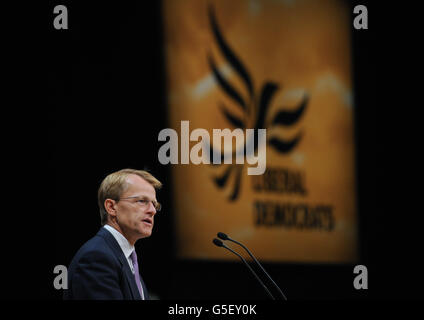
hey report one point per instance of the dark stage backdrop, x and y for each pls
(107, 104)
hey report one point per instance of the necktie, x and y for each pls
(137, 273)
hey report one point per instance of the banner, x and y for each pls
(283, 66)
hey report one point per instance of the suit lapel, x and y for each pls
(131, 281)
(146, 294)
(114, 245)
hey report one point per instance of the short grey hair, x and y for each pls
(115, 184)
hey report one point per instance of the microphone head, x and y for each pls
(217, 242)
(222, 236)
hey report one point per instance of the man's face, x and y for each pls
(134, 217)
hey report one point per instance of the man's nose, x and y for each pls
(151, 207)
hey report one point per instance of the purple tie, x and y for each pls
(137, 273)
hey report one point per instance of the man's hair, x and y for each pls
(115, 184)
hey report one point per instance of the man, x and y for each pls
(106, 266)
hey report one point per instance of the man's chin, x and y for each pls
(146, 233)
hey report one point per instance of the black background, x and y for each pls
(106, 103)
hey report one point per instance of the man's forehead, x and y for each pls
(136, 182)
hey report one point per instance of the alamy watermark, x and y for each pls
(361, 20)
(361, 280)
(61, 20)
(61, 280)
(203, 152)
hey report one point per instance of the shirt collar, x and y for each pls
(126, 247)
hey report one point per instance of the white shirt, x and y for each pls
(126, 247)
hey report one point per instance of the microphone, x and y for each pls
(223, 236)
(219, 243)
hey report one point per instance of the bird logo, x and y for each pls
(254, 108)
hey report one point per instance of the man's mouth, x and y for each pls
(148, 221)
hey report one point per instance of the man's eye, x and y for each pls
(142, 201)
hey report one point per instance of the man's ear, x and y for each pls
(110, 206)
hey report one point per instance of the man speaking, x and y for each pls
(106, 266)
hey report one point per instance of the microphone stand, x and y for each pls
(225, 237)
(221, 244)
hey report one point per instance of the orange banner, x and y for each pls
(283, 66)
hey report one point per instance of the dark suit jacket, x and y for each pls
(100, 271)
